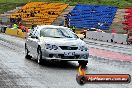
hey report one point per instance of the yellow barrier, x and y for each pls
(21, 34)
(10, 31)
(15, 32)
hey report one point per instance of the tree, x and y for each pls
(98, 1)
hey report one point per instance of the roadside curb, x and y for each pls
(97, 57)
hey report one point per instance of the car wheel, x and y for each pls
(27, 56)
(39, 56)
(83, 63)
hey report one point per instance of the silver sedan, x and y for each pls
(55, 43)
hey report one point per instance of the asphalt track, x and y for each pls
(18, 72)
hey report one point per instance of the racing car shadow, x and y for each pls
(59, 64)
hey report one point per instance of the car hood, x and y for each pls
(63, 41)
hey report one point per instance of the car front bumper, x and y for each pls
(59, 55)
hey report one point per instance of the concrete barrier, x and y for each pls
(107, 37)
(98, 36)
(90, 35)
(120, 38)
(93, 35)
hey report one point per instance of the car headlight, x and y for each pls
(54, 47)
(51, 47)
(48, 46)
(83, 48)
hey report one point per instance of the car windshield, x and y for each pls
(57, 33)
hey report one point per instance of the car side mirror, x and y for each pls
(33, 36)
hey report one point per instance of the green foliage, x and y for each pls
(6, 5)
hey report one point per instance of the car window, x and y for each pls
(31, 32)
(45, 32)
(57, 33)
(36, 33)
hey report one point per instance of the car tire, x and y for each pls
(27, 56)
(83, 63)
(39, 56)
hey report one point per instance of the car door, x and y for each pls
(34, 42)
(29, 40)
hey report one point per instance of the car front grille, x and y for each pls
(68, 57)
(68, 48)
